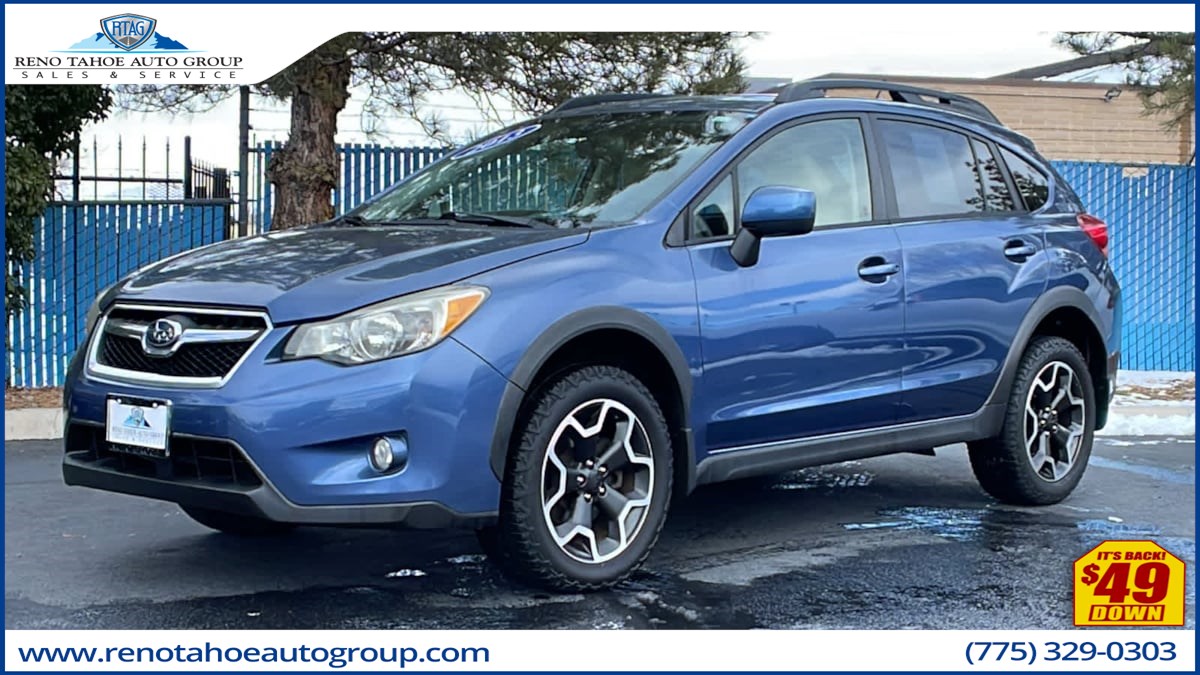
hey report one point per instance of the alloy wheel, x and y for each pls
(1055, 414)
(597, 481)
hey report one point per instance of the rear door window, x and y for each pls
(933, 170)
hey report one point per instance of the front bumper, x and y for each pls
(261, 501)
(305, 428)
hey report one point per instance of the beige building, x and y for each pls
(1070, 120)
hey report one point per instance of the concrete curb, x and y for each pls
(33, 424)
(43, 424)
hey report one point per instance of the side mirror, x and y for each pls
(772, 211)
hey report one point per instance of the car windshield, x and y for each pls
(588, 170)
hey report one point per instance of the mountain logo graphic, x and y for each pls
(128, 31)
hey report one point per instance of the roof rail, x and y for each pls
(597, 99)
(902, 93)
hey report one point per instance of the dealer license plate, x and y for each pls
(138, 426)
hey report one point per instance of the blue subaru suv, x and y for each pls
(547, 334)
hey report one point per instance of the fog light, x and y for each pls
(382, 455)
(389, 454)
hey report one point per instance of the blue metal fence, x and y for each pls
(369, 169)
(81, 248)
(366, 170)
(1151, 216)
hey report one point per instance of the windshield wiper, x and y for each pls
(353, 220)
(492, 219)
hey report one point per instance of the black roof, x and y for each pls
(796, 91)
(896, 92)
(651, 102)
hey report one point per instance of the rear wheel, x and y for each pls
(229, 523)
(587, 485)
(1043, 448)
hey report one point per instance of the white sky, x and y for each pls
(924, 48)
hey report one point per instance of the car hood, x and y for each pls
(319, 272)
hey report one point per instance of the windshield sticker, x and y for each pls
(498, 140)
(724, 125)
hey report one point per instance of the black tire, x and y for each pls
(1003, 465)
(489, 541)
(230, 523)
(522, 543)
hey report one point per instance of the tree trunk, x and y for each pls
(305, 171)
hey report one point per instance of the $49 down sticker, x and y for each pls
(1129, 583)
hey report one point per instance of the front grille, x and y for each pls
(209, 343)
(211, 319)
(213, 359)
(209, 461)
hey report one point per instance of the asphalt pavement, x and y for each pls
(904, 541)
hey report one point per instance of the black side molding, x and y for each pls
(771, 458)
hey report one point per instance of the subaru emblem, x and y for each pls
(162, 334)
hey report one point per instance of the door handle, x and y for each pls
(1017, 250)
(876, 269)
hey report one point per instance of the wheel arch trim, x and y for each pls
(558, 335)
(1053, 299)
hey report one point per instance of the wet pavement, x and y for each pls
(897, 542)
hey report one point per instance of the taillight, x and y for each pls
(1096, 229)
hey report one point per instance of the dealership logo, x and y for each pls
(127, 49)
(128, 31)
(137, 419)
(496, 140)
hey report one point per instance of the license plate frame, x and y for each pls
(138, 426)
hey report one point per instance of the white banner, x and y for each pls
(588, 651)
(245, 44)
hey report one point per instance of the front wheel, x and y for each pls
(587, 483)
(1043, 447)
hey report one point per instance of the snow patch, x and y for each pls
(1147, 424)
(646, 597)
(650, 598)
(1153, 379)
(948, 523)
(1139, 399)
(1119, 443)
(404, 573)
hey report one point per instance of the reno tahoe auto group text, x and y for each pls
(58, 67)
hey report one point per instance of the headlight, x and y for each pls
(392, 328)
